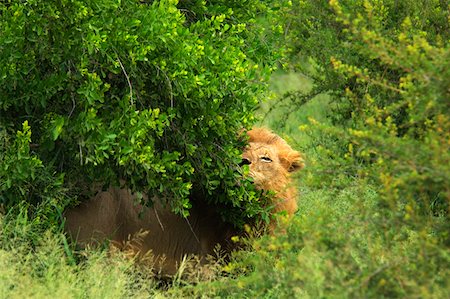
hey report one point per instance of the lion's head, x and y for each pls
(271, 161)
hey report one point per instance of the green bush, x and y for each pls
(19, 169)
(23, 177)
(134, 90)
(385, 66)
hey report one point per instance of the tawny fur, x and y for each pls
(114, 214)
(271, 160)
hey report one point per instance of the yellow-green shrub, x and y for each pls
(385, 65)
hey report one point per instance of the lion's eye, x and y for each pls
(266, 159)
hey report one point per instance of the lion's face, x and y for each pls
(264, 164)
(270, 158)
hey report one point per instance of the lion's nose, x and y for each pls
(245, 161)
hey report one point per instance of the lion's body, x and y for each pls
(114, 215)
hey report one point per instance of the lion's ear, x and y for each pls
(292, 161)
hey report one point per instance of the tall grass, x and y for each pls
(35, 263)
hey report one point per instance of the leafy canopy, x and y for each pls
(135, 90)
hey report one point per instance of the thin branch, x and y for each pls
(128, 80)
(168, 84)
(192, 230)
(157, 217)
(295, 100)
(73, 106)
(375, 273)
(81, 155)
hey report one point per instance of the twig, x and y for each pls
(169, 84)
(295, 99)
(128, 80)
(192, 230)
(73, 106)
(375, 273)
(81, 155)
(157, 217)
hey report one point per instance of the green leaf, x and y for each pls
(57, 129)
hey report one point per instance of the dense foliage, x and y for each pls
(385, 65)
(129, 90)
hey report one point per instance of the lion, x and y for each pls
(114, 215)
(271, 161)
